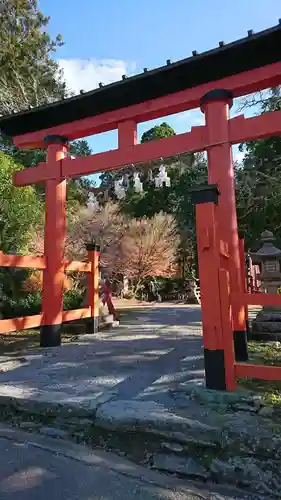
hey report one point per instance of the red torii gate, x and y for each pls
(210, 80)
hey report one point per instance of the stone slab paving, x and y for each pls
(140, 360)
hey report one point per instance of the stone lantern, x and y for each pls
(267, 325)
(268, 258)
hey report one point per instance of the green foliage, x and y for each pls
(265, 353)
(258, 181)
(20, 209)
(265, 155)
(78, 189)
(73, 299)
(262, 353)
(176, 199)
(273, 398)
(18, 304)
(29, 75)
(158, 132)
(80, 148)
(186, 172)
(26, 157)
(25, 305)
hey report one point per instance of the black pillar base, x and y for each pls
(240, 345)
(247, 328)
(50, 335)
(215, 369)
(92, 325)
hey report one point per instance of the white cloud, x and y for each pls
(86, 74)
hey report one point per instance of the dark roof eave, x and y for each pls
(249, 53)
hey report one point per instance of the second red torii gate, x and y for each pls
(217, 136)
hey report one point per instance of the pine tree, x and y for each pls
(29, 76)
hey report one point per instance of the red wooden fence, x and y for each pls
(15, 324)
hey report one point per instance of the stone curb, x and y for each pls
(153, 418)
(65, 409)
(122, 416)
(147, 417)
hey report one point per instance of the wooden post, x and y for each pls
(93, 290)
(215, 104)
(228, 344)
(206, 199)
(54, 246)
(243, 274)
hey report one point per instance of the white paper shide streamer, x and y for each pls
(162, 179)
(138, 185)
(119, 189)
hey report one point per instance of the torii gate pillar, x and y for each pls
(216, 105)
(54, 245)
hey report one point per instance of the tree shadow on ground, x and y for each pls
(137, 361)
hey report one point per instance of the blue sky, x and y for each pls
(107, 38)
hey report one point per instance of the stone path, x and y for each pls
(140, 360)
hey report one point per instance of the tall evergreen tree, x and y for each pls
(29, 76)
(258, 180)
